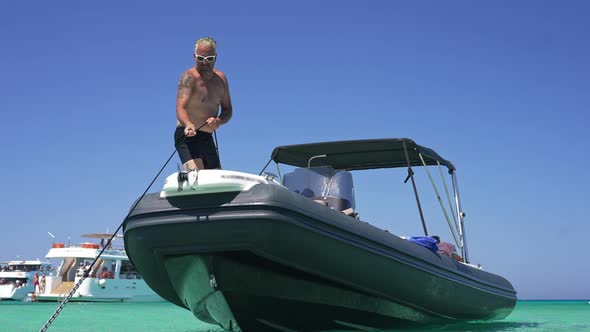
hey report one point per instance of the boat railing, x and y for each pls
(88, 245)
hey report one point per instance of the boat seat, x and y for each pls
(338, 204)
(350, 212)
(321, 201)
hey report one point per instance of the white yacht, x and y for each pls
(16, 278)
(112, 278)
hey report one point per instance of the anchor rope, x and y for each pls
(107, 245)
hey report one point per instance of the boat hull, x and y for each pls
(102, 290)
(263, 299)
(11, 293)
(82, 298)
(248, 261)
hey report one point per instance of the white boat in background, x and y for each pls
(16, 278)
(112, 279)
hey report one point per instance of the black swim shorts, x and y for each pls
(200, 146)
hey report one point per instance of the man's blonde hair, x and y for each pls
(206, 41)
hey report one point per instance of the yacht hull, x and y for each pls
(11, 293)
(82, 298)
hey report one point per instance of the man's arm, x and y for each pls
(226, 107)
(185, 88)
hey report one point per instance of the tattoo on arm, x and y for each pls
(185, 85)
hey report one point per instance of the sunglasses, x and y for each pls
(209, 59)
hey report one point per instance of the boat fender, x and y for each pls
(102, 283)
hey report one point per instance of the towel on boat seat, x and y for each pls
(425, 241)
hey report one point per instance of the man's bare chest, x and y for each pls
(207, 91)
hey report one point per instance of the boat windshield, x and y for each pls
(323, 183)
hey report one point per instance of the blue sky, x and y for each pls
(87, 100)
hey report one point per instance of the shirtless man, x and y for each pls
(201, 90)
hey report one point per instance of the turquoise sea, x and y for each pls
(537, 316)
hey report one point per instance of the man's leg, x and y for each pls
(211, 159)
(192, 164)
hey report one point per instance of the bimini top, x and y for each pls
(358, 154)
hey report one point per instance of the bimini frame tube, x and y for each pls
(279, 172)
(265, 166)
(411, 176)
(460, 216)
(278, 169)
(453, 224)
